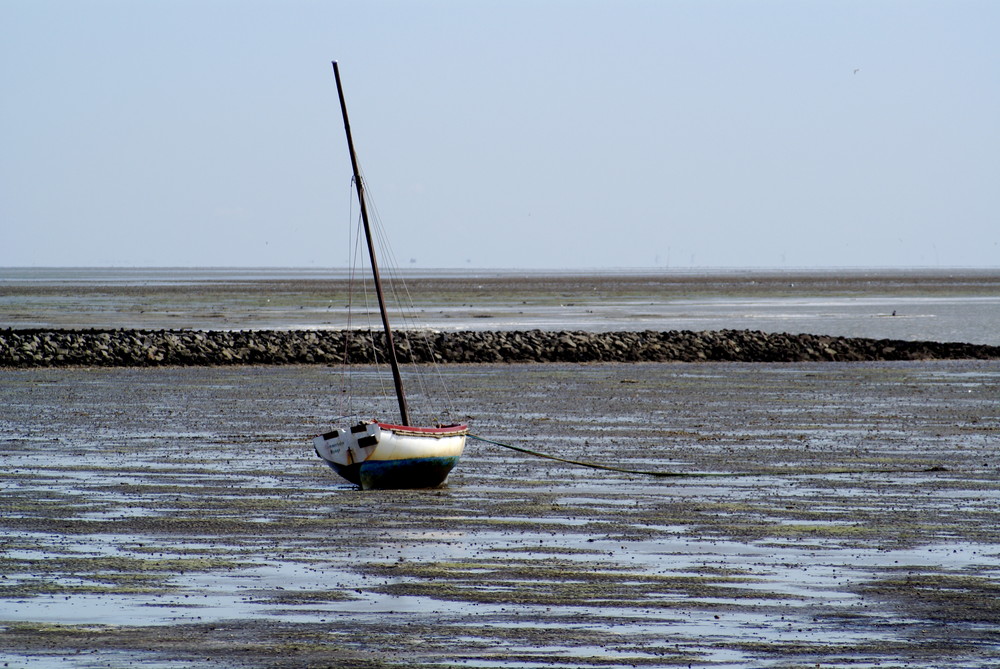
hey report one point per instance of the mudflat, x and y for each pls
(914, 305)
(836, 514)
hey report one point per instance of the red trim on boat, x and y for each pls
(447, 429)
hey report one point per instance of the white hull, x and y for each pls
(380, 455)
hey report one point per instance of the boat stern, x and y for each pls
(349, 446)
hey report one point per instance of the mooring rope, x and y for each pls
(660, 474)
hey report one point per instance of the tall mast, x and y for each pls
(396, 378)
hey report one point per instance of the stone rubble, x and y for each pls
(149, 348)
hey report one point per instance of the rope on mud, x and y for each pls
(657, 474)
(591, 464)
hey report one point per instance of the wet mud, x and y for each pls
(914, 305)
(177, 517)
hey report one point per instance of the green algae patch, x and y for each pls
(296, 597)
(38, 587)
(546, 550)
(942, 596)
(235, 525)
(554, 583)
(98, 575)
(77, 565)
(794, 530)
(243, 643)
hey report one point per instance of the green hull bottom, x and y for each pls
(394, 474)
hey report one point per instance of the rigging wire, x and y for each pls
(375, 225)
(402, 300)
(423, 337)
(347, 398)
(358, 287)
(399, 296)
(370, 329)
(404, 303)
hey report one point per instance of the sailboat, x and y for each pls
(381, 455)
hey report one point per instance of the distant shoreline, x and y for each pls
(153, 348)
(168, 275)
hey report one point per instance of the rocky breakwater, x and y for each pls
(145, 348)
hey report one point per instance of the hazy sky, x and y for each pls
(535, 133)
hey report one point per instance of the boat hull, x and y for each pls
(376, 455)
(397, 474)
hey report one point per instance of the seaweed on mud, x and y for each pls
(304, 596)
(559, 583)
(120, 564)
(272, 645)
(878, 653)
(98, 575)
(36, 587)
(236, 525)
(941, 596)
(543, 550)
